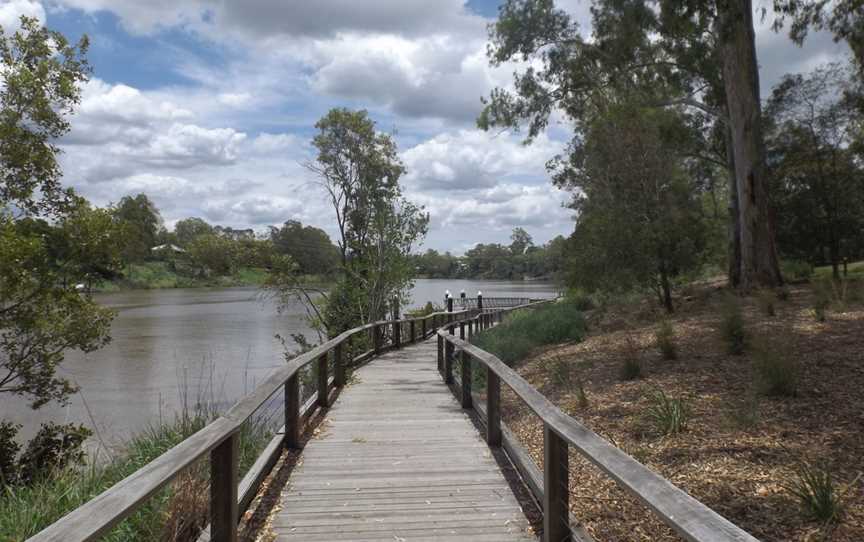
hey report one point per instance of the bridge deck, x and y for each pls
(398, 459)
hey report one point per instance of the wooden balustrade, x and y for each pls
(688, 517)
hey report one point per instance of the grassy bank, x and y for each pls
(751, 404)
(174, 514)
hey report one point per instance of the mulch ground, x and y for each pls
(740, 449)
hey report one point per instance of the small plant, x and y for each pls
(565, 375)
(665, 337)
(668, 415)
(797, 269)
(732, 325)
(745, 413)
(813, 485)
(631, 369)
(765, 301)
(777, 370)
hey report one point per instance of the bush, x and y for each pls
(665, 337)
(813, 486)
(745, 413)
(822, 296)
(765, 302)
(668, 415)
(523, 330)
(732, 325)
(8, 452)
(631, 369)
(580, 300)
(777, 370)
(564, 375)
(52, 449)
(796, 269)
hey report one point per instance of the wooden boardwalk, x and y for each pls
(398, 459)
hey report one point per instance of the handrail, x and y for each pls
(221, 438)
(687, 516)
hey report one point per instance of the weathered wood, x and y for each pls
(224, 465)
(376, 339)
(462, 330)
(448, 363)
(419, 472)
(465, 377)
(397, 334)
(412, 331)
(691, 519)
(323, 390)
(292, 413)
(339, 368)
(556, 498)
(423, 326)
(493, 408)
(440, 353)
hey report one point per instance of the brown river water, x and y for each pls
(172, 348)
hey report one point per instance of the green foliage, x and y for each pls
(668, 415)
(631, 368)
(813, 485)
(580, 299)
(308, 246)
(796, 269)
(745, 413)
(142, 224)
(765, 301)
(188, 229)
(665, 339)
(213, 254)
(526, 329)
(777, 370)
(732, 328)
(9, 449)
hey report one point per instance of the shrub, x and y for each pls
(668, 415)
(564, 374)
(796, 269)
(765, 302)
(822, 294)
(526, 329)
(732, 325)
(580, 300)
(745, 413)
(777, 370)
(813, 485)
(665, 337)
(631, 369)
(8, 452)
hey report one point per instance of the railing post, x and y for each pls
(339, 369)
(376, 339)
(462, 330)
(465, 363)
(423, 327)
(470, 328)
(493, 408)
(397, 334)
(448, 360)
(224, 471)
(413, 332)
(556, 494)
(292, 412)
(323, 394)
(440, 354)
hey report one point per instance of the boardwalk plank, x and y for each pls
(398, 459)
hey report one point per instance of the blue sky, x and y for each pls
(208, 106)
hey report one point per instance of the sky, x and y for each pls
(209, 106)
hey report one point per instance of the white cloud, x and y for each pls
(12, 10)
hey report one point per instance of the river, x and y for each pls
(182, 346)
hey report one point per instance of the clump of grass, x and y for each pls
(814, 487)
(665, 338)
(524, 330)
(732, 327)
(765, 302)
(745, 414)
(778, 372)
(631, 368)
(565, 375)
(668, 415)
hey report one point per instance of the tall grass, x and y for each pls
(26, 510)
(526, 329)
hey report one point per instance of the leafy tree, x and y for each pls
(359, 169)
(697, 54)
(639, 223)
(213, 254)
(520, 241)
(309, 247)
(844, 18)
(188, 229)
(41, 313)
(819, 179)
(142, 223)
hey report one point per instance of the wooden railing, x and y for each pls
(221, 438)
(688, 517)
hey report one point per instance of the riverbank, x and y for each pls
(160, 275)
(176, 514)
(758, 429)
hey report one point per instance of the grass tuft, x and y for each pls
(765, 301)
(778, 372)
(668, 415)
(732, 325)
(665, 338)
(813, 485)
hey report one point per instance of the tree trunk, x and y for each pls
(734, 227)
(759, 265)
